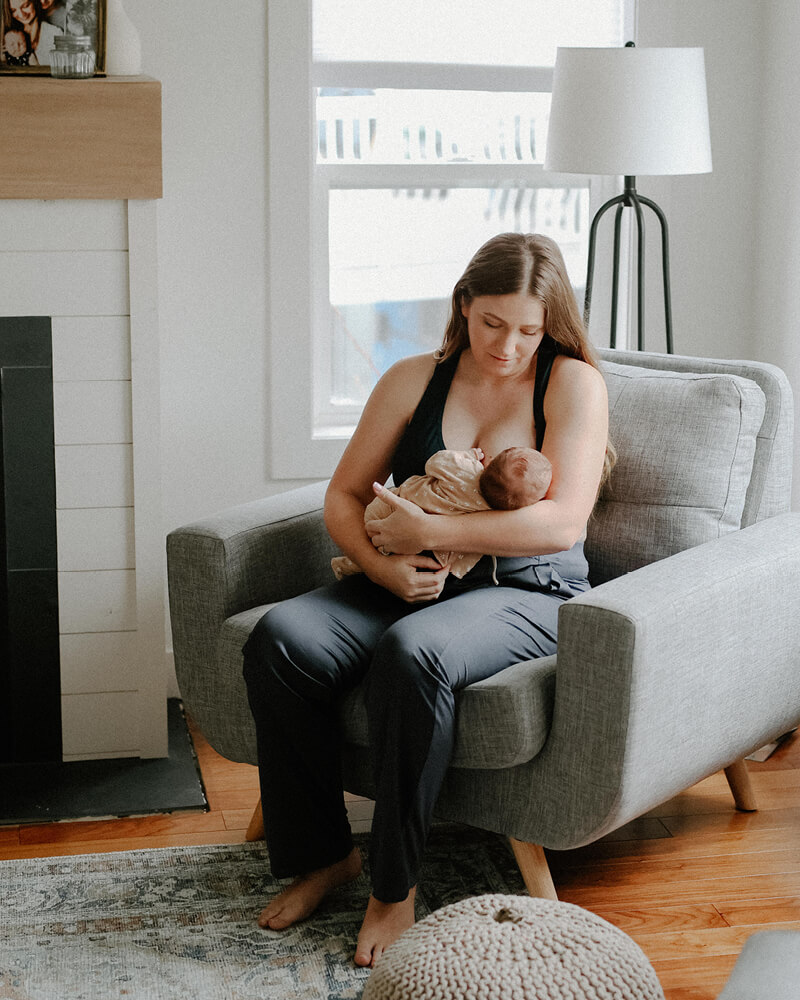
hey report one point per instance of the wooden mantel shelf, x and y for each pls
(95, 138)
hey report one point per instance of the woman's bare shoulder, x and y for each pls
(405, 381)
(572, 372)
(575, 385)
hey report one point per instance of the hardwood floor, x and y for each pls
(689, 882)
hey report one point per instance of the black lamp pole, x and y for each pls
(630, 199)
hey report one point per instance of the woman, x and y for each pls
(514, 360)
(27, 16)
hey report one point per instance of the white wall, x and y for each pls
(736, 231)
(711, 216)
(777, 234)
(212, 246)
(213, 262)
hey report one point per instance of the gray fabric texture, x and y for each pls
(771, 483)
(254, 554)
(686, 480)
(663, 675)
(768, 967)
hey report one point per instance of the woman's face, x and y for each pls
(504, 332)
(23, 11)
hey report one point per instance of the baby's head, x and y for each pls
(16, 43)
(515, 478)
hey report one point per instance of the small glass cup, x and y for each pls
(72, 57)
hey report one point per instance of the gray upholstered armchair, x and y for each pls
(683, 659)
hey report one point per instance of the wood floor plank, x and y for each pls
(604, 853)
(669, 870)
(760, 911)
(696, 803)
(9, 835)
(236, 819)
(692, 979)
(692, 993)
(57, 850)
(704, 824)
(700, 943)
(656, 919)
(219, 779)
(116, 829)
(225, 799)
(691, 891)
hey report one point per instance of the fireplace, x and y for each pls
(83, 662)
(30, 687)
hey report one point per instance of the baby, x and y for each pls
(15, 48)
(456, 482)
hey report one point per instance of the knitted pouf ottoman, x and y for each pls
(513, 948)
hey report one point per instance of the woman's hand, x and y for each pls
(404, 531)
(412, 578)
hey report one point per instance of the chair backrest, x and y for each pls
(704, 447)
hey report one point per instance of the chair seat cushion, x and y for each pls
(686, 443)
(500, 722)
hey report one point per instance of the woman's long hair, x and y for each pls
(523, 262)
(11, 23)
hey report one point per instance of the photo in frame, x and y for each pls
(28, 29)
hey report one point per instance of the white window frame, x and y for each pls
(298, 205)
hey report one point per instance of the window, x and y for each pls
(402, 136)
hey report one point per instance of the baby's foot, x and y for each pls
(304, 895)
(383, 924)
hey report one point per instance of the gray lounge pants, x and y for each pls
(308, 651)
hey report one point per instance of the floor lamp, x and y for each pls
(628, 111)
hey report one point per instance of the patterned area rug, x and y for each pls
(180, 922)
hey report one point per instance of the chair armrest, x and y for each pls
(671, 672)
(254, 554)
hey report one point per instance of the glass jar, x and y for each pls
(73, 57)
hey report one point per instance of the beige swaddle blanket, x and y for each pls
(449, 486)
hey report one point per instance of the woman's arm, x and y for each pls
(368, 458)
(576, 411)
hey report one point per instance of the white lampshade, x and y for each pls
(629, 111)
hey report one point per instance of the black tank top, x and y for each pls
(423, 436)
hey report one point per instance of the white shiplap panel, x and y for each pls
(147, 466)
(75, 283)
(92, 412)
(94, 662)
(96, 724)
(91, 347)
(97, 601)
(63, 225)
(94, 475)
(95, 538)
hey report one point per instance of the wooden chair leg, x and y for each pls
(739, 781)
(534, 868)
(255, 829)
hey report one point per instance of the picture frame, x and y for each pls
(28, 27)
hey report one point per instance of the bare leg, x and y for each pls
(383, 924)
(304, 895)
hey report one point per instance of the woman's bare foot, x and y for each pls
(383, 923)
(304, 895)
